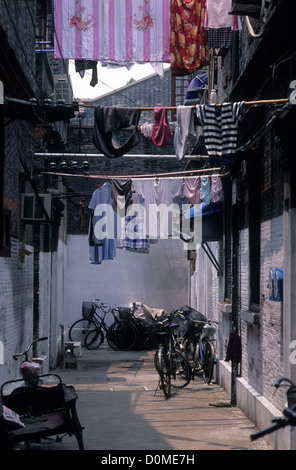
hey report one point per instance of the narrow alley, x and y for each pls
(147, 156)
(121, 410)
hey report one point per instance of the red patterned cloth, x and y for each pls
(188, 45)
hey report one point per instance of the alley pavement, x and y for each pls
(122, 410)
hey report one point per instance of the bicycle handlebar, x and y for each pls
(280, 423)
(289, 414)
(15, 356)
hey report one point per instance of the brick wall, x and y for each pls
(16, 307)
(17, 270)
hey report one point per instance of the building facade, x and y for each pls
(255, 290)
(31, 245)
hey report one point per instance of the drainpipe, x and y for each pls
(235, 274)
(235, 57)
(235, 232)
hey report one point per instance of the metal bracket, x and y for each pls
(212, 257)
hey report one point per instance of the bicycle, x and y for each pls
(90, 320)
(121, 335)
(204, 354)
(89, 331)
(289, 413)
(170, 363)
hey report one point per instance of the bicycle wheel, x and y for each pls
(197, 365)
(181, 371)
(162, 368)
(93, 339)
(79, 329)
(208, 366)
(77, 428)
(122, 335)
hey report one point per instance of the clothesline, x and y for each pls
(176, 174)
(172, 108)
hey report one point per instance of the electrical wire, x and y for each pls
(108, 86)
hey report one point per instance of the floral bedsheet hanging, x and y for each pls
(119, 31)
(188, 42)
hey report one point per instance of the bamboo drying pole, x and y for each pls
(171, 108)
(181, 174)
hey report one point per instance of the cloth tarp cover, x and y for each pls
(148, 314)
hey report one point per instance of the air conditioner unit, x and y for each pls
(32, 211)
(62, 88)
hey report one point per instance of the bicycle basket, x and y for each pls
(124, 313)
(209, 331)
(87, 310)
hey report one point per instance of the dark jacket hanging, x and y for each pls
(234, 349)
(111, 119)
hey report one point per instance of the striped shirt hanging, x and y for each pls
(220, 130)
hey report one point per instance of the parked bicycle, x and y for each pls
(204, 355)
(89, 331)
(37, 406)
(289, 413)
(170, 363)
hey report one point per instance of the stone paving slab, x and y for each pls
(121, 411)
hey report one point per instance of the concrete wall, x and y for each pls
(158, 279)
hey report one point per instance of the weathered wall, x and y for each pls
(158, 279)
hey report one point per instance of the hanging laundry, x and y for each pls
(180, 229)
(220, 24)
(134, 237)
(113, 30)
(146, 130)
(217, 15)
(108, 120)
(81, 215)
(192, 189)
(100, 253)
(196, 89)
(158, 194)
(185, 132)
(102, 226)
(82, 65)
(161, 134)
(234, 347)
(188, 46)
(121, 194)
(216, 188)
(205, 189)
(220, 130)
